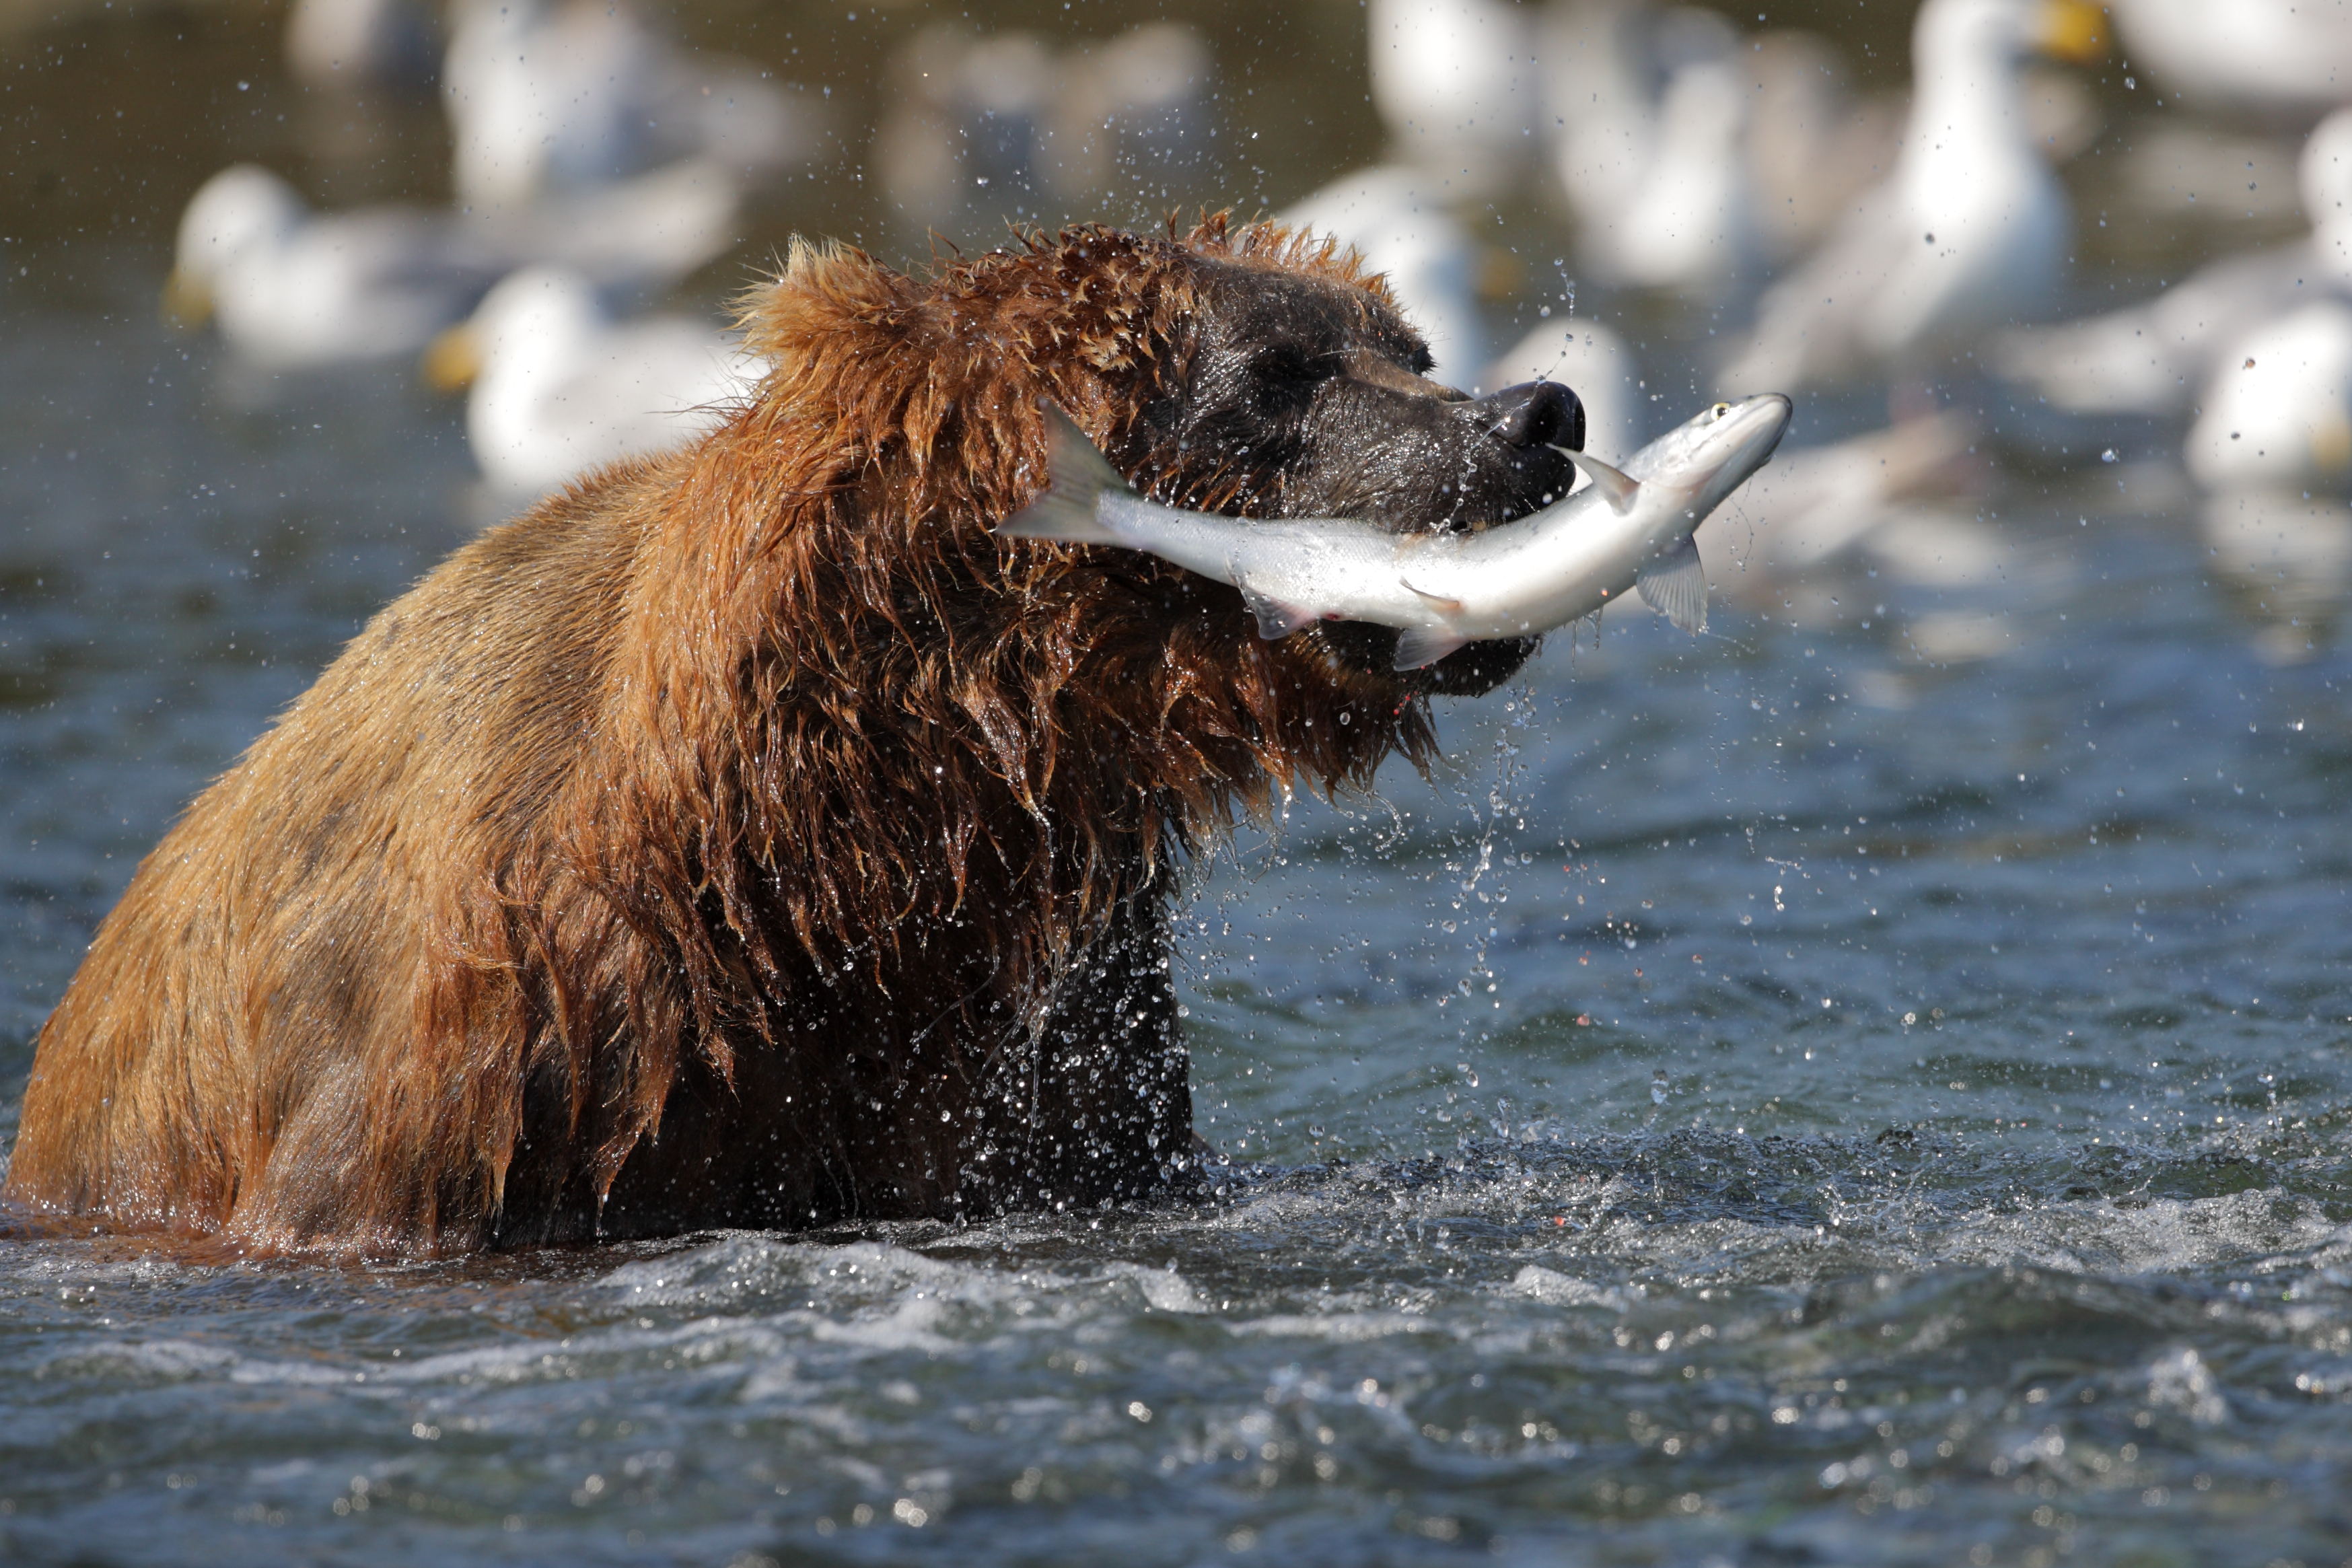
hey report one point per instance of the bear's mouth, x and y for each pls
(1473, 669)
(1366, 648)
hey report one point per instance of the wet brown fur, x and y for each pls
(744, 836)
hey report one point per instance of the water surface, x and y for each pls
(1868, 1086)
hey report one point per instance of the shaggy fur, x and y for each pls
(750, 836)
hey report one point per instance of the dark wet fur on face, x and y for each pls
(1298, 396)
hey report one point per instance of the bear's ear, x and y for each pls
(827, 291)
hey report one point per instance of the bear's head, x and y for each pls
(1300, 391)
(1245, 370)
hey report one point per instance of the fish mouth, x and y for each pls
(1764, 419)
(1753, 427)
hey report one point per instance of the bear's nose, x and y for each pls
(1535, 414)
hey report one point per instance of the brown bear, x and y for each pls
(748, 836)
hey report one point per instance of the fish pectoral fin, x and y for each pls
(1276, 620)
(1675, 584)
(1438, 601)
(1619, 486)
(1417, 645)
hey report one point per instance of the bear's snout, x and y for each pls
(1534, 413)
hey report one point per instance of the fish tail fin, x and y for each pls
(1078, 477)
(1675, 584)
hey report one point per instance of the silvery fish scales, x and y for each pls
(1629, 528)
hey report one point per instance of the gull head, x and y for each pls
(242, 211)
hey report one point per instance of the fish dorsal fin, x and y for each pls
(1675, 584)
(1276, 620)
(1619, 486)
(1077, 476)
(1417, 645)
(1438, 601)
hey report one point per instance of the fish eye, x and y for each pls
(1720, 410)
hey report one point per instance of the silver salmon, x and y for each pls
(1629, 528)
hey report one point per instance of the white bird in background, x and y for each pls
(1455, 83)
(1134, 112)
(292, 289)
(549, 96)
(1651, 112)
(1971, 231)
(1813, 143)
(1694, 227)
(558, 388)
(985, 130)
(638, 235)
(351, 44)
(1398, 220)
(2283, 57)
(1809, 507)
(2273, 449)
(2153, 357)
(1602, 63)
(2278, 411)
(962, 139)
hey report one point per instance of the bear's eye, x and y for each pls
(1289, 372)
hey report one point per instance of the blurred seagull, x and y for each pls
(353, 45)
(558, 388)
(986, 130)
(290, 288)
(2278, 411)
(1813, 142)
(1970, 231)
(1652, 111)
(2285, 56)
(963, 139)
(550, 96)
(2153, 357)
(637, 234)
(1810, 506)
(1455, 83)
(2273, 449)
(1695, 228)
(1132, 114)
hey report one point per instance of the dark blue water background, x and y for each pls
(1798, 1096)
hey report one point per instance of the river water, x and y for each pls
(1868, 1086)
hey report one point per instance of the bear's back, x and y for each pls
(244, 1037)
